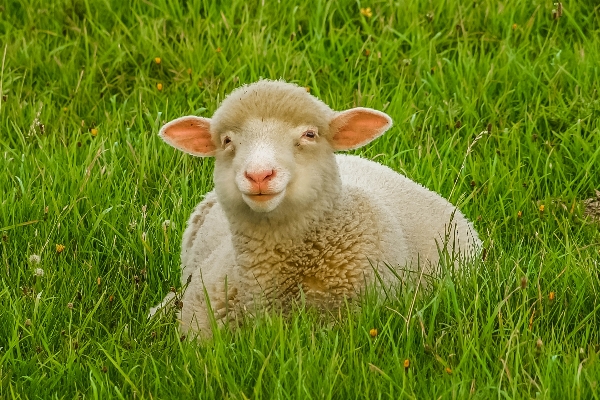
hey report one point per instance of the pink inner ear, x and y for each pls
(190, 134)
(358, 126)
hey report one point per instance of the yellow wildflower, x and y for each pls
(373, 332)
(94, 131)
(159, 86)
(60, 248)
(366, 12)
(157, 60)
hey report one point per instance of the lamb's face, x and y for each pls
(269, 164)
(274, 145)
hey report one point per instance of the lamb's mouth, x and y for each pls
(261, 197)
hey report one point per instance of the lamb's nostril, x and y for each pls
(260, 176)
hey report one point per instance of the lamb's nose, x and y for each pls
(260, 176)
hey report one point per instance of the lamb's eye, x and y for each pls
(226, 141)
(310, 134)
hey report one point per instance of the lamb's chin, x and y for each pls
(263, 203)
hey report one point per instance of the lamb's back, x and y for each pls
(423, 215)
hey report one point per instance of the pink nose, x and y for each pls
(260, 176)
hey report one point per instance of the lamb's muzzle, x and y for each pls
(288, 216)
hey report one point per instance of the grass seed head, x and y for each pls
(558, 11)
(524, 282)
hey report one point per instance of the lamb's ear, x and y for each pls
(356, 127)
(190, 134)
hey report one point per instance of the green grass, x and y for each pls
(445, 71)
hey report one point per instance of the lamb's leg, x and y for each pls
(166, 301)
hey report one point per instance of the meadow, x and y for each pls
(496, 106)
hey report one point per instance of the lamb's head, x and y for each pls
(273, 145)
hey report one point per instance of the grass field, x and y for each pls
(496, 106)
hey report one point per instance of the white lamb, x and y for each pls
(288, 216)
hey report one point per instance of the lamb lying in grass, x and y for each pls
(288, 216)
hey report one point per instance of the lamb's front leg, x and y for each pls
(211, 296)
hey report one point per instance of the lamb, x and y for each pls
(290, 218)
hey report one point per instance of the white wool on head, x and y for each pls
(267, 99)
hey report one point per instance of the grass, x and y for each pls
(82, 167)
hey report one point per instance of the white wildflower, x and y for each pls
(38, 272)
(35, 259)
(166, 223)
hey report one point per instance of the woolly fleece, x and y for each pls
(330, 234)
